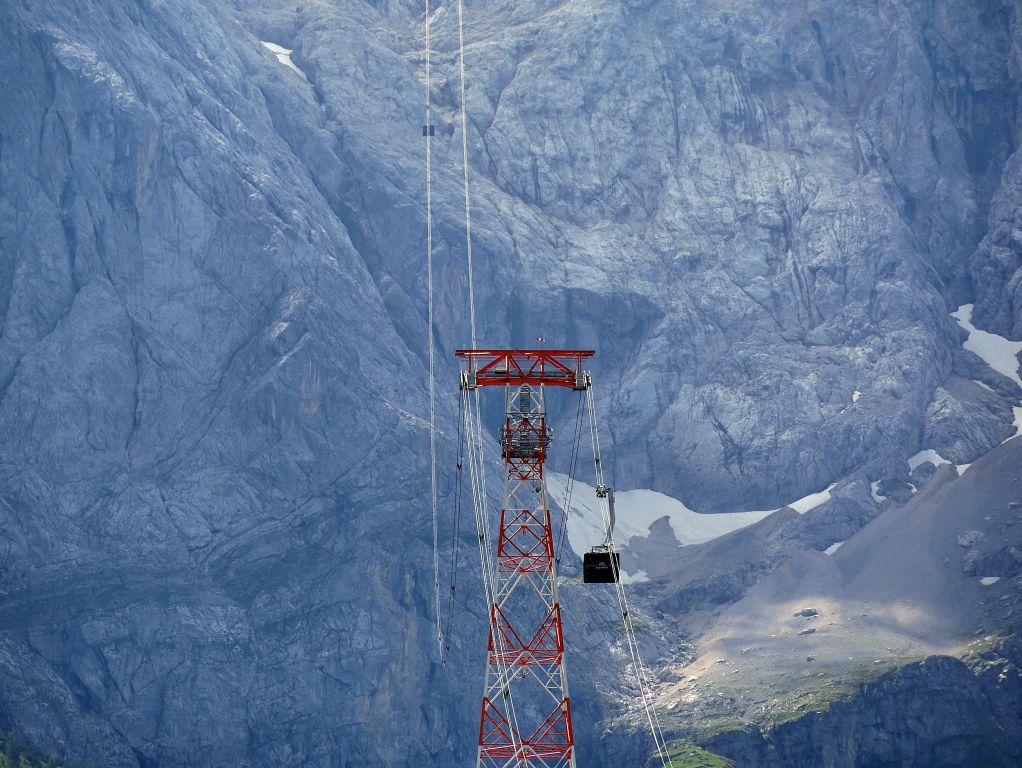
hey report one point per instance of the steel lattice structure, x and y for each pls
(525, 717)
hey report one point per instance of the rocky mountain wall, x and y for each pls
(215, 544)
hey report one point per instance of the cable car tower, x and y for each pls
(525, 718)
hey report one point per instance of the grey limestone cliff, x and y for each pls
(214, 523)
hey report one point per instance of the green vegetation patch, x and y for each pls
(984, 648)
(820, 694)
(638, 627)
(17, 754)
(801, 703)
(682, 754)
(716, 725)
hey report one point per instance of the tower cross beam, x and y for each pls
(514, 367)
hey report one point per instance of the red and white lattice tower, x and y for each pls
(525, 718)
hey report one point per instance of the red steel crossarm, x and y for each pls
(500, 367)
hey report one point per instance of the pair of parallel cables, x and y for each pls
(470, 423)
(427, 131)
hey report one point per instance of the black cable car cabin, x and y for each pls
(601, 566)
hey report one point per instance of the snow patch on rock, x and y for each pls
(637, 510)
(996, 351)
(1017, 410)
(874, 491)
(633, 578)
(283, 56)
(928, 455)
(999, 353)
(813, 500)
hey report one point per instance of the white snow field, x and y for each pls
(996, 351)
(928, 455)
(283, 56)
(637, 510)
(999, 353)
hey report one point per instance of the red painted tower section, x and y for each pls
(525, 717)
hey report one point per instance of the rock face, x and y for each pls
(936, 713)
(205, 454)
(214, 534)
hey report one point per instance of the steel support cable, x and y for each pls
(633, 647)
(641, 674)
(464, 159)
(429, 333)
(631, 641)
(456, 534)
(463, 108)
(474, 426)
(476, 469)
(570, 484)
(478, 502)
(481, 465)
(470, 422)
(476, 472)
